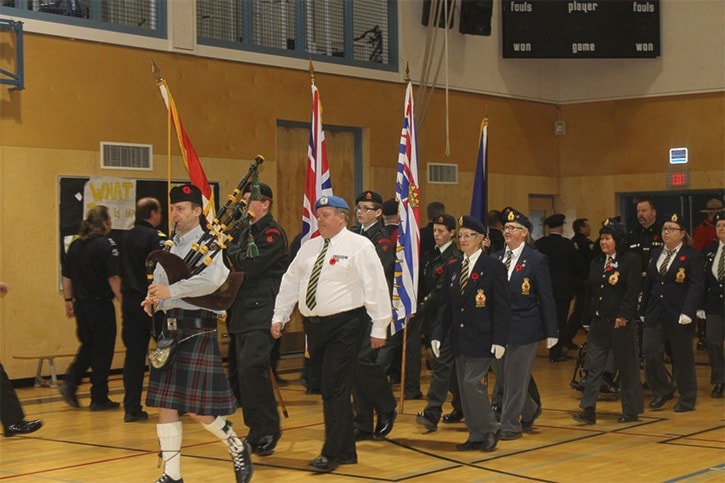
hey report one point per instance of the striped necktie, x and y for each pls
(721, 266)
(507, 262)
(311, 298)
(464, 274)
(666, 262)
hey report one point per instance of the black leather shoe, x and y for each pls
(385, 424)
(628, 418)
(409, 397)
(509, 435)
(105, 405)
(361, 435)
(134, 417)
(241, 453)
(23, 427)
(527, 426)
(323, 464)
(716, 390)
(489, 444)
(660, 401)
(469, 446)
(69, 396)
(681, 408)
(167, 479)
(559, 358)
(422, 419)
(266, 444)
(569, 346)
(454, 416)
(588, 416)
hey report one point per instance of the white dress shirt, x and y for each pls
(663, 255)
(515, 254)
(351, 277)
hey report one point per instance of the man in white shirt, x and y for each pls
(337, 281)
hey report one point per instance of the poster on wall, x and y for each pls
(117, 194)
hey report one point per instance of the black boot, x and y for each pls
(588, 416)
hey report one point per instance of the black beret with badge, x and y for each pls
(512, 215)
(472, 224)
(612, 226)
(264, 189)
(447, 220)
(674, 217)
(370, 196)
(186, 192)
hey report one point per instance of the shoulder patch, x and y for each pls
(272, 231)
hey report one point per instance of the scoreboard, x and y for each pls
(561, 29)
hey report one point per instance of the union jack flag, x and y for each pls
(317, 182)
(408, 245)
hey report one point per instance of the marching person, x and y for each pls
(138, 242)
(251, 315)
(533, 318)
(671, 295)
(645, 238)
(339, 285)
(475, 315)
(615, 280)
(195, 382)
(714, 304)
(90, 281)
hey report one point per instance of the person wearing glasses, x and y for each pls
(533, 318)
(671, 295)
(475, 315)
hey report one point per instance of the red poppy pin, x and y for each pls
(439, 270)
(333, 261)
(474, 276)
(186, 190)
(609, 269)
(683, 258)
(656, 237)
(519, 267)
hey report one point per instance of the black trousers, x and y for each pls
(136, 333)
(413, 351)
(11, 412)
(96, 330)
(259, 407)
(336, 342)
(371, 390)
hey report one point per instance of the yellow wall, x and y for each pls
(80, 93)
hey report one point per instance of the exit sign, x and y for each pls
(677, 179)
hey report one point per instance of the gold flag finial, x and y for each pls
(312, 72)
(156, 71)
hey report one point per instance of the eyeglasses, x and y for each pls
(364, 209)
(466, 236)
(669, 229)
(512, 228)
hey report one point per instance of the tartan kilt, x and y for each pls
(195, 382)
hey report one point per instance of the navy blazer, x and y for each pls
(480, 316)
(533, 310)
(614, 292)
(679, 291)
(714, 297)
(564, 264)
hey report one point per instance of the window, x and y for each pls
(143, 17)
(359, 32)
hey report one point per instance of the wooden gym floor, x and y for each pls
(77, 445)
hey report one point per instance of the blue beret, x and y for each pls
(472, 224)
(511, 215)
(333, 201)
(186, 192)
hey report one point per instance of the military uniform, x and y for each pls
(713, 304)
(643, 241)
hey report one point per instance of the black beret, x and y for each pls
(472, 224)
(390, 207)
(674, 217)
(557, 219)
(718, 217)
(264, 189)
(612, 226)
(370, 196)
(511, 215)
(447, 220)
(186, 192)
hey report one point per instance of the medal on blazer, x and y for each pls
(525, 287)
(680, 277)
(480, 298)
(614, 278)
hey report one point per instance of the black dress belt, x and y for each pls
(335, 317)
(190, 319)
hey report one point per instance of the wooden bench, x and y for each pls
(40, 381)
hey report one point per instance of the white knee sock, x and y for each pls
(170, 443)
(222, 429)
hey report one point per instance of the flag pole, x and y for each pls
(159, 80)
(407, 319)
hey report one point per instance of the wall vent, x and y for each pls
(442, 173)
(126, 156)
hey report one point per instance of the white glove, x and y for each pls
(641, 317)
(497, 351)
(551, 342)
(701, 314)
(684, 320)
(435, 345)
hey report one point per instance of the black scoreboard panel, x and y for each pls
(560, 29)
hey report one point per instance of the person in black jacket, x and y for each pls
(671, 295)
(615, 280)
(137, 243)
(713, 303)
(251, 316)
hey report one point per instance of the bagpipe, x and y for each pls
(231, 219)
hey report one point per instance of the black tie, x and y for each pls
(666, 262)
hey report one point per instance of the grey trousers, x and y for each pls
(514, 371)
(474, 396)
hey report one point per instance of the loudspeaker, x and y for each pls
(442, 22)
(476, 17)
